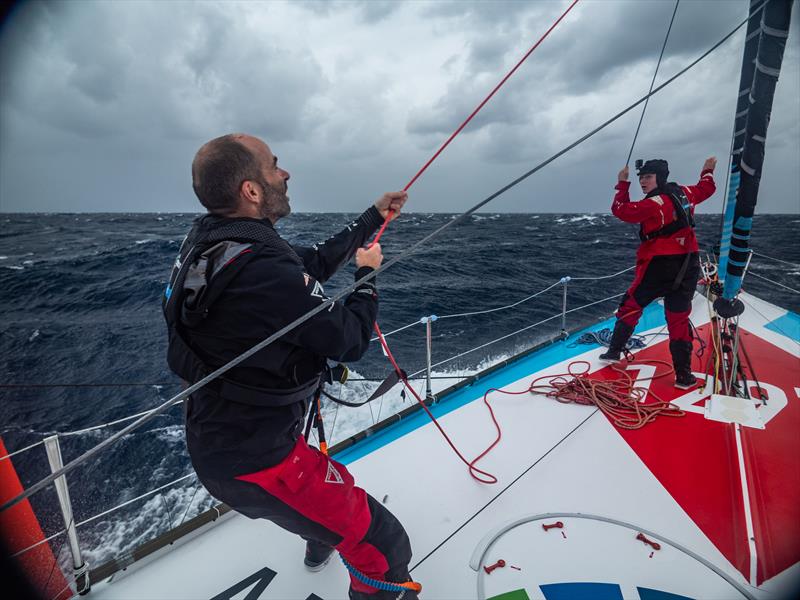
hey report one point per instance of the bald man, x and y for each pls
(236, 282)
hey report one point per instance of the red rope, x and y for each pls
(474, 471)
(619, 399)
(469, 118)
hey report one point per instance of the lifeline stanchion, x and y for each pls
(81, 572)
(428, 343)
(564, 281)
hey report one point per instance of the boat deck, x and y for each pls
(679, 479)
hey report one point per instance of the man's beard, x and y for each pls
(274, 203)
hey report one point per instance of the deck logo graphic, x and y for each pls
(668, 446)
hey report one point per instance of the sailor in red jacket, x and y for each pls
(667, 262)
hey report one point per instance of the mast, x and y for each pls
(747, 158)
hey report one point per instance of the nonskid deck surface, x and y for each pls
(553, 458)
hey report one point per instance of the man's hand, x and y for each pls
(372, 257)
(623, 175)
(391, 201)
(710, 163)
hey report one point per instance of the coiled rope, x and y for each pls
(621, 400)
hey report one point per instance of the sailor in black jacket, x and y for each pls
(234, 283)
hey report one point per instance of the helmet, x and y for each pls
(655, 166)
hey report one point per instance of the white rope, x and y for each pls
(490, 310)
(39, 543)
(110, 423)
(556, 316)
(754, 274)
(786, 262)
(385, 335)
(603, 276)
(21, 450)
(131, 501)
(64, 589)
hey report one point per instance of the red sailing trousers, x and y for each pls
(673, 277)
(316, 497)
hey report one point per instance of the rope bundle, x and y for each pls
(619, 399)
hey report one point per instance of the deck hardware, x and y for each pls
(497, 565)
(651, 543)
(557, 524)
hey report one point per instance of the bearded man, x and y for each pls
(236, 282)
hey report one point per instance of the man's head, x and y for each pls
(652, 174)
(237, 175)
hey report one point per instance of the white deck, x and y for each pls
(553, 458)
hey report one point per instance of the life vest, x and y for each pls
(213, 253)
(682, 213)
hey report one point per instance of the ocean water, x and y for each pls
(82, 341)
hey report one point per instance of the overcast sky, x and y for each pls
(103, 104)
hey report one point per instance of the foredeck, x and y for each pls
(676, 478)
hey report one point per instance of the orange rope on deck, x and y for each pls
(620, 399)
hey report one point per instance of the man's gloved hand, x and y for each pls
(372, 257)
(623, 175)
(710, 163)
(391, 201)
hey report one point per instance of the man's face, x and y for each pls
(274, 185)
(648, 182)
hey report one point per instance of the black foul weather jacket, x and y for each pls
(234, 284)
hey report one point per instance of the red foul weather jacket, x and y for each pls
(656, 211)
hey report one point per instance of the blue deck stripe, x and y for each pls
(653, 316)
(581, 591)
(787, 325)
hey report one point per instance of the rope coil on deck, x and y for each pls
(620, 399)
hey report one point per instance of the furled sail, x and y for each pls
(759, 78)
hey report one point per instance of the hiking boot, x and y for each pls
(684, 380)
(317, 555)
(619, 339)
(611, 356)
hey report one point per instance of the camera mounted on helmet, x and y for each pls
(655, 166)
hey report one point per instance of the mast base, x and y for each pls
(728, 308)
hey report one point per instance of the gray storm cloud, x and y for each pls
(103, 104)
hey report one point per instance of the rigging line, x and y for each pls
(55, 560)
(786, 262)
(188, 506)
(104, 425)
(21, 450)
(39, 543)
(754, 274)
(501, 492)
(328, 302)
(132, 500)
(84, 385)
(515, 333)
(602, 276)
(490, 310)
(481, 312)
(469, 118)
(652, 82)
